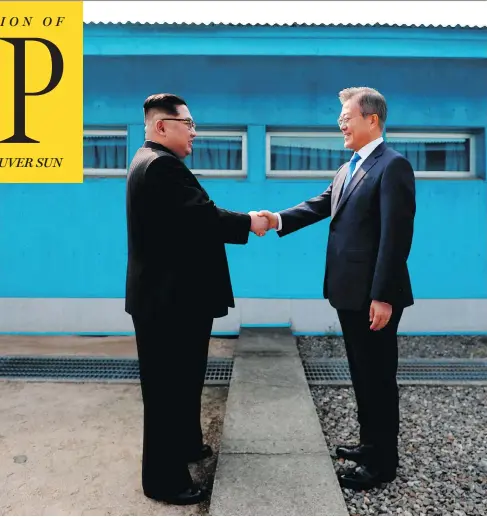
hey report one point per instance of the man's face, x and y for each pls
(178, 134)
(356, 129)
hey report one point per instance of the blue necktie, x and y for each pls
(353, 163)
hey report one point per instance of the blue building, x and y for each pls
(265, 100)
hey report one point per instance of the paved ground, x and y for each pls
(110, 346)
(74, 449)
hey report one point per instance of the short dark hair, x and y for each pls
(370, 101)
(166, 102)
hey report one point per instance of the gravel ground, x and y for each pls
(468, 347)
(442, 448)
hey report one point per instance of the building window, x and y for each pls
(104, 152)
(444, 155)
(218, 153)
(305, 154)
(441, 155)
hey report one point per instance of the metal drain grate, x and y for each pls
(218, 372)
(410, 371)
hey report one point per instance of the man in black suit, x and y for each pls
(371, 202)
(178, 281)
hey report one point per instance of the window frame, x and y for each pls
(296, 173)
(442, 174)
(225, 173)
(329, 174)
(107, 132)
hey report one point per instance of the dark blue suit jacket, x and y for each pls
(371, 231)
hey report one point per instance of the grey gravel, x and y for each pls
(442, 448)
(466, 347)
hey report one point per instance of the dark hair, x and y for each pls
(166, 102)
(370, 101)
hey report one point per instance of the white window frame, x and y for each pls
(106, 132)
(390, 134)
(442, 174)
(295, 173)
(221, 172)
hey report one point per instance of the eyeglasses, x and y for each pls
(189, 123)
(344, 121)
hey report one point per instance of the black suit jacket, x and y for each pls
(176, 238)
(371, 231)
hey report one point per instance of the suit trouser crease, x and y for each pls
(173, 349)
(373, 363)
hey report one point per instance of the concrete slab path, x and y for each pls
(274, 459)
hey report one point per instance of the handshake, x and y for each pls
(262, 221)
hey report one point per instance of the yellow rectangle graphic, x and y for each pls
(41, 92)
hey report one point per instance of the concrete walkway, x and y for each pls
(273, 456)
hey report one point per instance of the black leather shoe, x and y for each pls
(364, 478)
(357, 453)
(205, 452)
(192, 495)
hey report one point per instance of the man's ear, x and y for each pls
(160, 126)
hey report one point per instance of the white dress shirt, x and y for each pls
(364, 153)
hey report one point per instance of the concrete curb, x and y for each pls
(273, 459)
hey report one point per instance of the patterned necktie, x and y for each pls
(353, 163)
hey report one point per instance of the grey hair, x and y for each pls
(370, 101)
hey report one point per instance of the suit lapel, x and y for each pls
(357, 177)
(337, 188)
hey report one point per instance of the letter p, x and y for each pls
(19, 136)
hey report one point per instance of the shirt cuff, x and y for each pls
(279, 221)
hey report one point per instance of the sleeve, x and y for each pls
(279, 221)
(306, 213)
(397, 211)
(182, 206)
(234, 226)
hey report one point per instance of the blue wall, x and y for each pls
(69, 240)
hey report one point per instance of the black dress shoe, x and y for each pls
(358, 453)
(364, 478)
(193, 495)
(205, 452)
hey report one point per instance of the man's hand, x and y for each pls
(273, 222)
(379, 314)
(258, 225)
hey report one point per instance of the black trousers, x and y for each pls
(172, 347)
(373, 360)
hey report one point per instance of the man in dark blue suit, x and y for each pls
(371, 202)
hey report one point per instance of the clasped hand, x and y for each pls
(262, 221)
